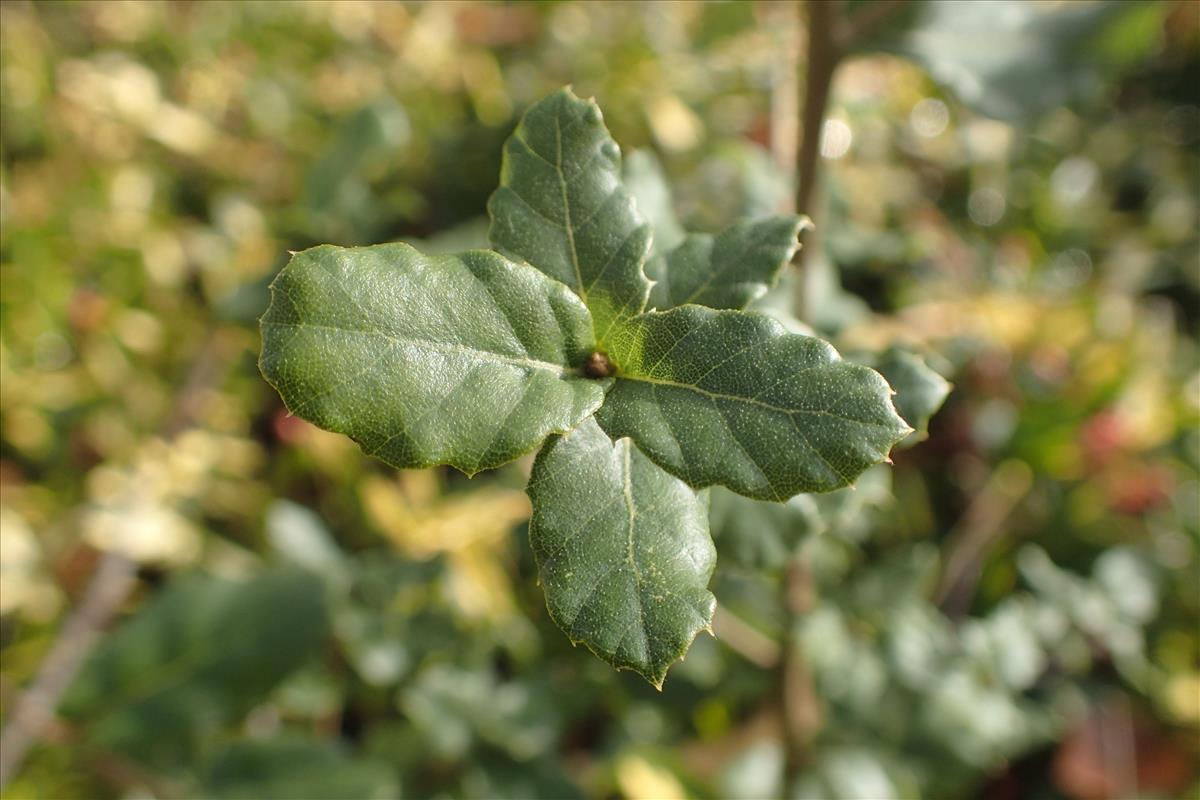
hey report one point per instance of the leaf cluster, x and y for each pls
(639, 392)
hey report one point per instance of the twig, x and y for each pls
(824, 54)
(757, 648)
(800, 706)
(975, 531)
(798, 697)
(110, 584)
(34, 710)
(784, 19)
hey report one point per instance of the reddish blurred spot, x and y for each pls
(86, 310)
(1139, 488)
(493, 24)
(74, 567)
(1101, 437)
(10, 473)
(1108, 755)
(991, 371)
(1051, 364)
(288, 429)
(760, 131)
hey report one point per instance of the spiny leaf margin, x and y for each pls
(562, 207)
(470, 360)
(602, 507)
(731, 398)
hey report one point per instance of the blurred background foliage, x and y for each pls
(1011, 196)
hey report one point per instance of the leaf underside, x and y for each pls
(731, 398)
(468, 360)
(623, 551)
(561, 206)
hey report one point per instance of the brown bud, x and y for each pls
(598, 366)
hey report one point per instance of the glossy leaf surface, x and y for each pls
(562, 207)
(623, 551)
(468, 360)
(731, 398)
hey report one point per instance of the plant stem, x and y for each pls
(110, 584)
(801, 709)
(784, 19)
(824, 53)
(980, 526)
(34, 710)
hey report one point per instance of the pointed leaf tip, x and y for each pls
(730, 398)
(630, 580)
(562, 207)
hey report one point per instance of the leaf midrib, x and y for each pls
(567, 226)
(440, 347)
(750, 400)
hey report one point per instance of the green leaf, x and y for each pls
(920, 391)
(646, 181)
(728, 270)
(562, 207)
(623, 551)
(757, 535)
(198, 657)
(731, 398)
(452, 707)
(467, 360)
(289, 766)
(1012, 59)
(736, 179)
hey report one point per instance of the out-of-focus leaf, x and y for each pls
(469, 235)
(300, 536)
(1012, 59)
(454, 707)
(339, 197)
(827, 306)
(471, 529)
(640, 778)
(757, 534)
(623, 551)
(562, 207)
(646, 181)
(730, 398)
(290, 767)
(492, 778)
(389, 623)
(478, 372)
(199, 656)
(780, 303)
(920, 391)
(738, 180)
(852, 774)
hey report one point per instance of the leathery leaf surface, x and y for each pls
(468, 360)
(731, 398)
(623, 551)
(562, 207)
(728, 270)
